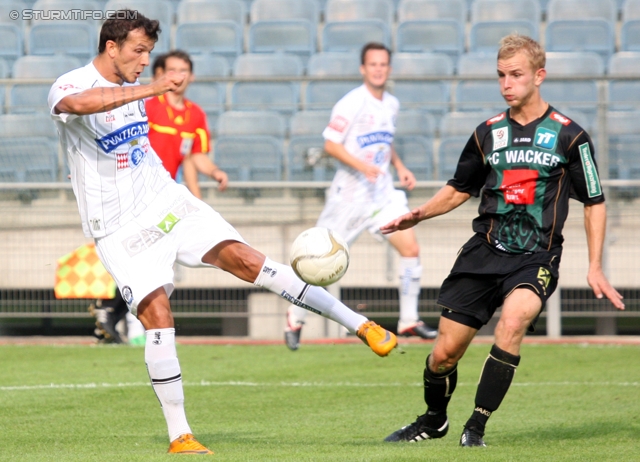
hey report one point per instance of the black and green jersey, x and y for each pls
(526, 175)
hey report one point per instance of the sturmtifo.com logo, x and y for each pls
(71, 15)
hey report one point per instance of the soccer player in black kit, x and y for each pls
(525, 163)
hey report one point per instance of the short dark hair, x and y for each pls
(183, 55)
(158, 63)
(374, 46)
(117, 27)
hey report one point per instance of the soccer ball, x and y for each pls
(319, 256)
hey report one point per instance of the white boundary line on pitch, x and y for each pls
(204, 383)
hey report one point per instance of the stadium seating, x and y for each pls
(282, 96)
(630, 35)
(249, 146)
(624, 94)
(478, 95)
(432, 95)
(28, 125)
(431, 36)
(630, 10)
(413, 141)
(306, 160)
(505, 10)
(485, 36)
(358, 10)
(449, 154)
(222, 37)
(75, 39)
(162, 10)
(606, 10)
(28, 159)
(209, 95)
(623, 129)
(352, 35)
(11, 43)
(5, 69)
(323, 94)
(462, 123)
(278, 10)
(32, 97)
(212, 11)
(295, 36)
(418, 10)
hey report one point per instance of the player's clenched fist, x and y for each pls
(169, 81)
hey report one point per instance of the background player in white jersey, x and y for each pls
(143, 222)
(362, 196)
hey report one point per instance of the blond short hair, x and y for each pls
(514, 43)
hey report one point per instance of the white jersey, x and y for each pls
(115, 173)
(365, 126)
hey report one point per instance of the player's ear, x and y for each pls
(111, 48)
(541, 74)
(362, 70)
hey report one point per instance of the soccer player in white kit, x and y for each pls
(143, 221)
(362, 196)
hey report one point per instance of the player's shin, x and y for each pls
(166, 379)
(438, 388)
(410, 273)
(495, 380)
(281, 280)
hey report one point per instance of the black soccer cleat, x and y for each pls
(418, 431)
(292, 338)
(472, 438)
(419, 329)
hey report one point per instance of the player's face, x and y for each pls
(179, 66)
(376, 68)
(518, 80)
(132, 57)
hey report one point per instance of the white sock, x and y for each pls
(281, 280)
(134, 327)
(295, 317)
(164, 372)
(410, 273)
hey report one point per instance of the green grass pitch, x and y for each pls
(321, 403)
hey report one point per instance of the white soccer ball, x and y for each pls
(319, 256)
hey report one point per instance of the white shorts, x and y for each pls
(176, 227)
(349, 219)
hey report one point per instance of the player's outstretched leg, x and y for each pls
(438, 389)
(495, 380)
(281, 280)
(166, 379)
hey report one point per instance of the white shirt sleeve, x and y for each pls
(62, 87)
(342, 117)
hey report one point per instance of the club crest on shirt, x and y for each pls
(500, 138)
(143, 112)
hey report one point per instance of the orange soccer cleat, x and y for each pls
(187, 444)
(380, 340)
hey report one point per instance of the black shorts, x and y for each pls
(482, 277)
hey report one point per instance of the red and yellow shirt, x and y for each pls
(175, 133)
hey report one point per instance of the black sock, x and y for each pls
(438, 389)
(495, 379)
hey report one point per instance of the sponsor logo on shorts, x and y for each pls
(590, 172)
(291, 299)
(141, 241)
(500, 138)
(544, 277)
(168, 222)
(96, 224)
(127, 295)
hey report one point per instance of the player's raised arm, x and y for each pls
(595, 218)
(103, 99)
(445, 200)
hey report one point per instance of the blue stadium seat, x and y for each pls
(75, 39)
(413, 141)
(463, 123)
(5, 69)
(630, 10)
(209, 65)
(306, 158)
(212, 11)
(630, 35)
(222, 37)
(249, 123)
(356, 10)
(323, 94)
(623, 129)
(485, 35)
(11, 43)
(449, 154)
(282, 96)
(44, 67)
(277, 10)
(567, 64)
(28, 125)
(624, 95)
(431, 36)
(295, 36)
(27, 98)
(250, 158)
(32, 159)
(581, 35)
(352, 35)
(606, 10)
(505, 10)
(415, 10)
(209, 95)
(161, 10)
(424, 94)
(478, 95)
